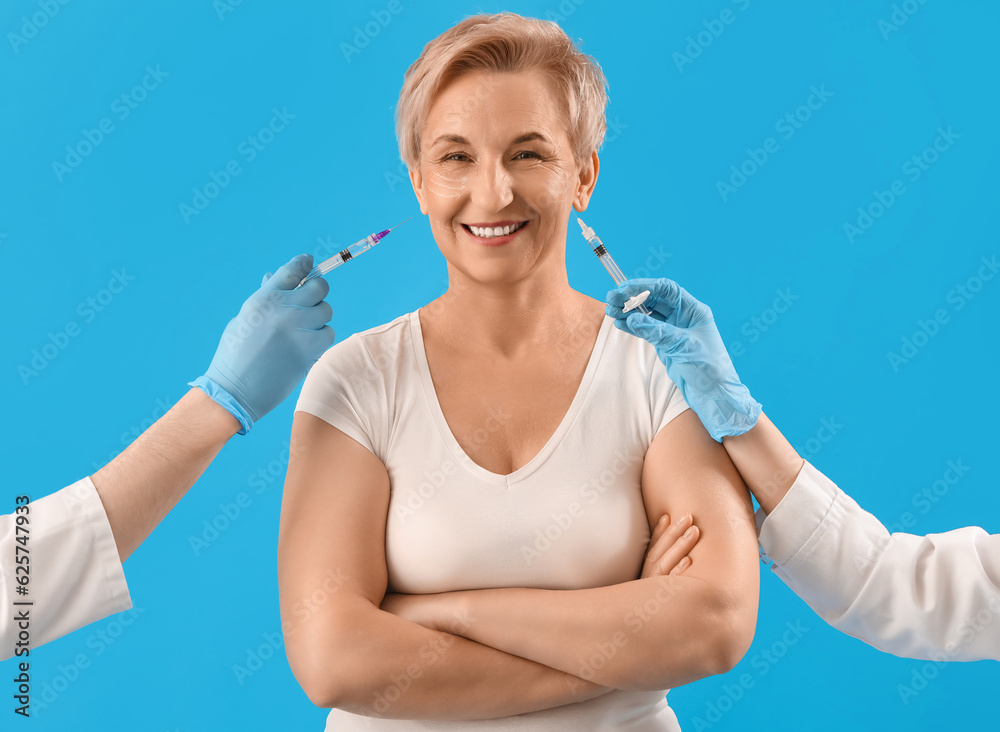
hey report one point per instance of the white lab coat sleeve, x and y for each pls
(76, 577)
(928, 597)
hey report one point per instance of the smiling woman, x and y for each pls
(512, 145)
(503, 456)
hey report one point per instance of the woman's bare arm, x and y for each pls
(349, 653)
(652, 633)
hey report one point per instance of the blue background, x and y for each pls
(334, 175)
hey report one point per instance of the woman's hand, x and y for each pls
(440, 612)
(669, 546)
(688, 343)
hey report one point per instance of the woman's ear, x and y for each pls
(588, 179)
(417, 181)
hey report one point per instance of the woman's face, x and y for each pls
(497, 177)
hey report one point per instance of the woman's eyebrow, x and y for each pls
(458, 139)
(529, 136)
(450, 138)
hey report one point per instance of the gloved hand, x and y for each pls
(269, 346)
(683, 332)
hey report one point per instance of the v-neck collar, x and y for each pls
(417, 339)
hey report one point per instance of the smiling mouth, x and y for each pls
(492, 232)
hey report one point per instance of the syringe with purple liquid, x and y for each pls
(345, 254)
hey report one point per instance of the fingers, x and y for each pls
(290, 274)
(667, 301)
(669, 547)
(326, 337)
(668, 537)
(312, 292)
(662, 525)
(315, 317)
(317, 343)
(661, 287)
(644, 326)
(676, 559)
(654, 550)
(664, 295)
(681, 566)
(667, 337)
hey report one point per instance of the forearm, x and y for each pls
(142, 484)
(766, 461)
(654, 633)
(398, 669)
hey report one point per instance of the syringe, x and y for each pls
(345, 254)
(633, 303)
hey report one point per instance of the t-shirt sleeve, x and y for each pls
(345, 389)
(665, 398)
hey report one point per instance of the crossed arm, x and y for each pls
(493, 653)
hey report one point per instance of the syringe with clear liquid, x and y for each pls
(633, 303)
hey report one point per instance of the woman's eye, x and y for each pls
(526, 154)
(456, 156)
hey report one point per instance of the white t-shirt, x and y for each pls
(571, 518)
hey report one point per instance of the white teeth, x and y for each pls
(489, 232)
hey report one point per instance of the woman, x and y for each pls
(483, 474)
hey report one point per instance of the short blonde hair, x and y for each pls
(505, 42)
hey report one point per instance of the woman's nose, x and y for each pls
(492, 187)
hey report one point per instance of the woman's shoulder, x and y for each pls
(622, 345)
(637, 356)
(365, 353)
(373, 340)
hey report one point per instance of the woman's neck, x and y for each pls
(504, 324)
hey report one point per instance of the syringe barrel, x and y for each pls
(612, 268)
(362, 245)
(344, 255)
(609, 264)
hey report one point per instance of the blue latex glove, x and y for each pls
(683, 332)
(266, 350)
